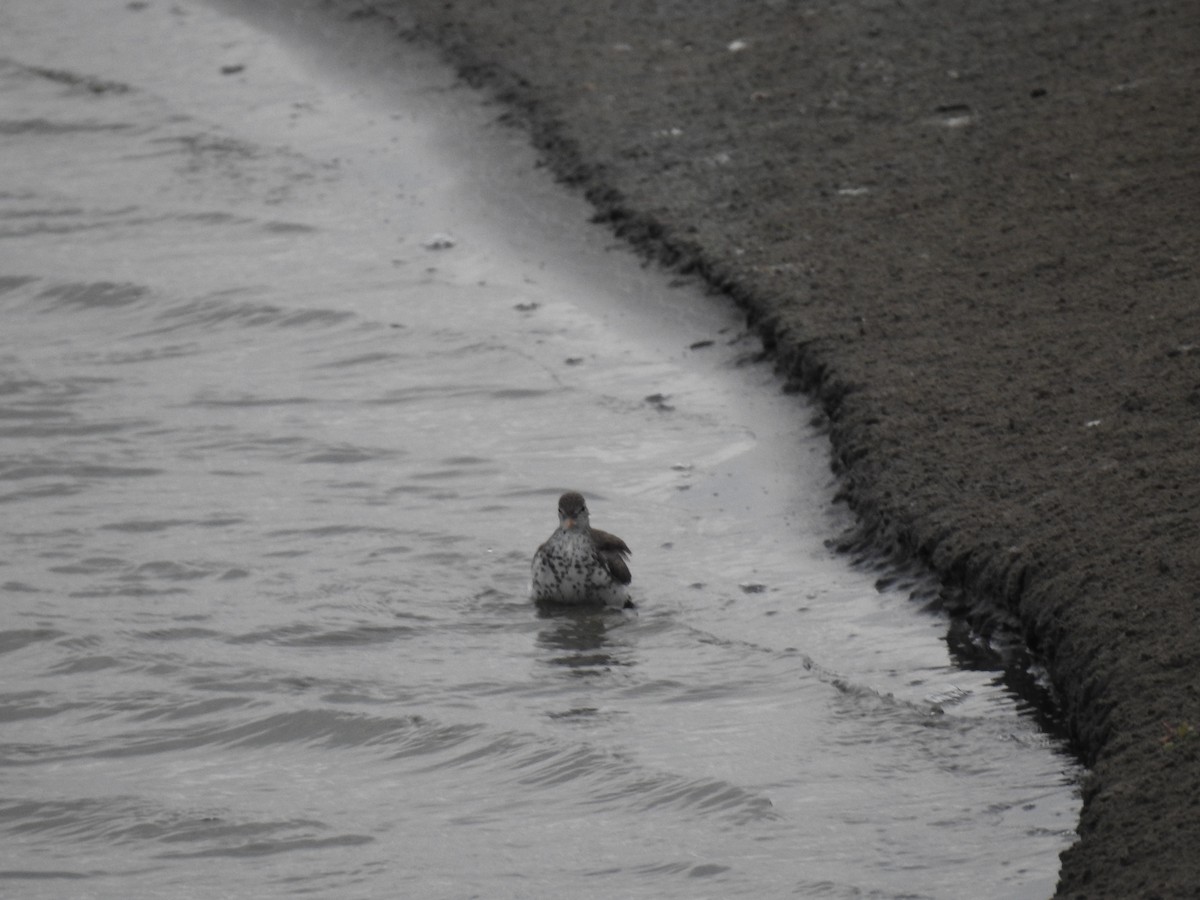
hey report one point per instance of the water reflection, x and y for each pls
(579, 637)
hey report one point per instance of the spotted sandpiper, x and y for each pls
(580, 564)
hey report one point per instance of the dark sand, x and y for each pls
(972, 231)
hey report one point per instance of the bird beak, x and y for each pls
(568, 523)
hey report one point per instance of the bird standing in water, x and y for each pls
(580, 564)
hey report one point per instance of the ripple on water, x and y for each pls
(313, 636)
(150, 526)
(222, 310)
(127, 820)
(20, 638)
(104, 295)
(22, 470)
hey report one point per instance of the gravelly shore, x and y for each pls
(970, 230)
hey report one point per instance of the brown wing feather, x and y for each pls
(613, 551)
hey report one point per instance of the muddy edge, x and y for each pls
(971, 231)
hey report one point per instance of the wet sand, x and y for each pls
(970, 231)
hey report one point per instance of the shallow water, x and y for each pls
(297, 350)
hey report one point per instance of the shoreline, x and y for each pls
(973, 242)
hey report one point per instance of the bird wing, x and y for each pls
(613, 551)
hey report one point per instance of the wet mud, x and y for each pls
(970, 231)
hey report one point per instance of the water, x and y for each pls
(298, 349)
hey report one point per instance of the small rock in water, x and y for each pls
(439, 241)
(659, 402)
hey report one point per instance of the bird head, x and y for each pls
(572, 511)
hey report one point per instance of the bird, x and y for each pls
(579, 564)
